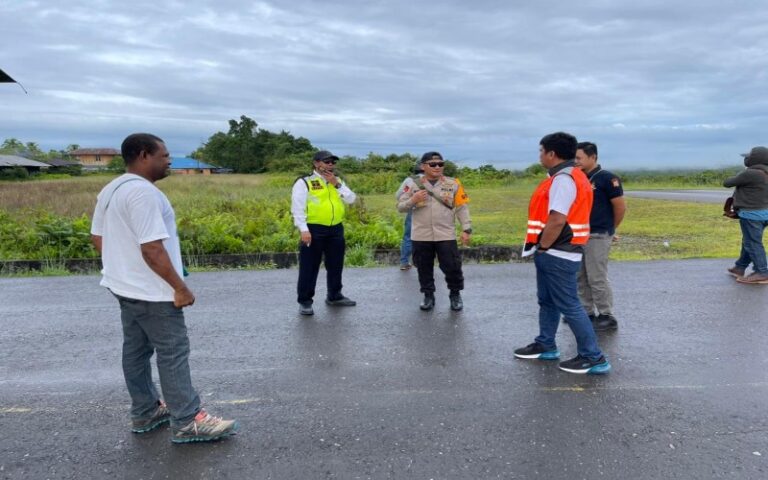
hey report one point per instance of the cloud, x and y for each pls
(481, 82)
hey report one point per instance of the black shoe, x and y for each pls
(579, 364)
(604, 323)
(429, 302)
(341, 302)
(456, 303)
(537, 351)
(306, 308)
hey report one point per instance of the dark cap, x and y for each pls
(323, 155)
(758, 155)
(430, 156)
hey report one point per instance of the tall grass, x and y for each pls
(251, 213)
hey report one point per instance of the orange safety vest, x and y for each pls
(575, 233)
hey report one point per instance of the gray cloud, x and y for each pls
(655, 84)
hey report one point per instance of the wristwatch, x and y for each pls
(468, 231)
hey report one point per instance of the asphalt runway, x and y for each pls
(698, 196)
(383, 390)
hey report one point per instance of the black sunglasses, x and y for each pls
(330, 161)
(436, 164)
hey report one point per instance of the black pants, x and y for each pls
(448, 258)
(326, 242)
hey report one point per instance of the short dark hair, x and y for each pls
(589, 148)
(136, 143)
(429, 156)
(563, 144)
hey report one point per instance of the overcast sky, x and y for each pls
(653, 83)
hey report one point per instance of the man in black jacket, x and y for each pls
(750, 200)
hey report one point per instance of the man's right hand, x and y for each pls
(306, 238)
(419, 197)
(183, 297)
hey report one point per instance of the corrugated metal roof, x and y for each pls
(182, 163)
(94, 151)
(16, 161)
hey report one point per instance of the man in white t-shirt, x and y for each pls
(134, 229)
(558, 229)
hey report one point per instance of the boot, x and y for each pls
(456, 302)
(428, 303)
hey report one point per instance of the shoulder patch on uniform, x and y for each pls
(615, 182)
(406, 189)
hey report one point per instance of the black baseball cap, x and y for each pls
(324, 155)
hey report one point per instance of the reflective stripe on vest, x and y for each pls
(324, 205)
(578, 216)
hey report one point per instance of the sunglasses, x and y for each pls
(329, 161)
(436, 164)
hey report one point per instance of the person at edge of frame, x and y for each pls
(750, 200)
(318, 208)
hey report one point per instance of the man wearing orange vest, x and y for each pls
(558, 229)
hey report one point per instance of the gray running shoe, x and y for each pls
(160, 417)
(204, 428)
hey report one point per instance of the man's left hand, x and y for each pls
(465, 238)
(331, 178)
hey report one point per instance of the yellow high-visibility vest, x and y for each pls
(324, 205)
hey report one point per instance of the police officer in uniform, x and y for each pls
(317, 206)
(437, 201)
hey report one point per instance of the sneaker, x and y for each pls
(754, 278)
(428, 303)
(204, 428)
(605, 322)
(405, 266)
(737, 271)
(160, 417)
(579, 364)
(537, 351)
(306, 309)
(341, 302)
(457, 304)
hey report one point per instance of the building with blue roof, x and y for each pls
(191, 166)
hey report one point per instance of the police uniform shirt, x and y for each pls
(605, 187)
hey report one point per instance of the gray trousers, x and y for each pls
(594, 288)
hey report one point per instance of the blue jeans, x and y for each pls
(752, 248)
(150, 327)
(405, 245)
(557, 293)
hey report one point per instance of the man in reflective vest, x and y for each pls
(317, 206)
(558, 229)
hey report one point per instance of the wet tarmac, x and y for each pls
(383, 390)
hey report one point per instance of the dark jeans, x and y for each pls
(752, 249)
(557, 294)
(326, 242)
(406, 247)
(449, 259)
(150, 327)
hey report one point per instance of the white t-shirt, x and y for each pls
(131, 211)
(562, 194)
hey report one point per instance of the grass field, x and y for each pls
(653, 229)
